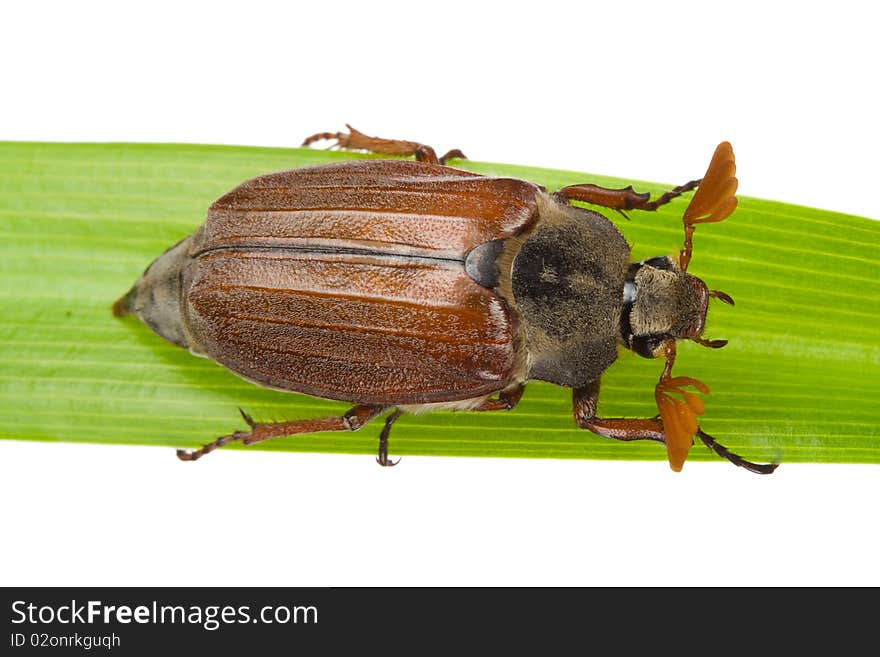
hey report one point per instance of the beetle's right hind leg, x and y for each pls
(358, 141)
(353, 420)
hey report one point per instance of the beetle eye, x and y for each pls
(648, 344)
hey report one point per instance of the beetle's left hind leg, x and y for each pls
(622, 199)
(353, 420)
(357, 140)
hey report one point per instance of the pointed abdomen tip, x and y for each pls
(121, 306)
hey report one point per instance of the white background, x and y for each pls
(639, 90)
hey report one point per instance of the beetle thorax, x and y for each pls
(566, 282)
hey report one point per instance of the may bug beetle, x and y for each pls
(408, 286)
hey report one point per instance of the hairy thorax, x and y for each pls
(565, 278)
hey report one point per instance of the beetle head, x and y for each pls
(662, 302)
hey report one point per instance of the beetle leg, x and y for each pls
(353, 420)
(723, 452)
(453, 154)
(505, 401)
(382, 459)
(585, 401)
(358, 141)
(621, 199)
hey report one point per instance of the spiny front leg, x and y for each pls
(353, 420)
(621, 199)
(676, 425)
(585, 401)
(356, 140)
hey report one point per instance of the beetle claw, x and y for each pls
(187, 454)
(247, 418)
(385, 462)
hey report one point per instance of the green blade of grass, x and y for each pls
(79, 223)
